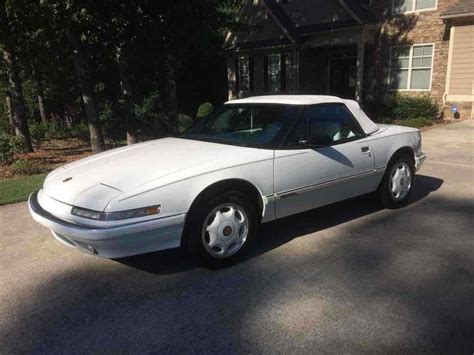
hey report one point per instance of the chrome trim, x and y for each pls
(289, 193)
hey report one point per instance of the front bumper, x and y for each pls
(419, 160)
(113, 242)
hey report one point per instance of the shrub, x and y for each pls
(152, 122)
(81, 131)
(416, 122)
(408, 107)
(10, 147)
(38, 131)
(204, 110)
(56, 130)
(26, 167)
(184, 122)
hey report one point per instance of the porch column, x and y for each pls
(360, 70)
(231, 77)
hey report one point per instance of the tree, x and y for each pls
(134, 64)
(38, 80)
(15, 88)
(80, 65)
(178, 30)
(8, 106)
(71, 20)
(122, 32)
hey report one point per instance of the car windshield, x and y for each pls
(250, 125)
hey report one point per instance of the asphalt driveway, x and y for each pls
(345, 278)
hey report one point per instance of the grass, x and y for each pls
(17, 190)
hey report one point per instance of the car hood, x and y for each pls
(94, 181)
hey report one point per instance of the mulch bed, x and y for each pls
(52, 154)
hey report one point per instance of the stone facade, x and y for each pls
(408, 29)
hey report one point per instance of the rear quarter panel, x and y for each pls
(390, 139)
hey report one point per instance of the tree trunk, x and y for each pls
(127, 94)
(171, 95)
(8, 101)
(95, 131)
(14, 84)
(39, 94)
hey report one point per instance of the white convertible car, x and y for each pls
(253, 161)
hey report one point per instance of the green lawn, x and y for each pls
(17, 190)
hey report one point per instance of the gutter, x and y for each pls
(453, 16)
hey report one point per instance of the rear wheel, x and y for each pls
(222, 229)
(397, 184)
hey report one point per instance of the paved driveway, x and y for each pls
(345, 278)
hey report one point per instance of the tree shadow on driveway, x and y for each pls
(398, 281)
(274, 234)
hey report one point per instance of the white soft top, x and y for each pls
(365, 122)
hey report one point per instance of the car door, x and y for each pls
(326, 158)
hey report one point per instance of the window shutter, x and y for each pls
(237, 76)
(283, 72)
(265, 73)
(251, 74)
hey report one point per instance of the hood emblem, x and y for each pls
(67, 179)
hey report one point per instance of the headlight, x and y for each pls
(115, 216)
(82, 212)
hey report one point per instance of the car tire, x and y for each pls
(398, 182)
(222, 229)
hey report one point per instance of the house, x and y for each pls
(361, 49)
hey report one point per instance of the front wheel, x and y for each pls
(398, 182)
(222, 228)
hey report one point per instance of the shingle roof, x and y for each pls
(460, 7)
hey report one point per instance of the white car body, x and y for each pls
(173, 172)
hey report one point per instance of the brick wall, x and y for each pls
(407, 29)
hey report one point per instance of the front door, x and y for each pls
(343, 74)
(307, 175)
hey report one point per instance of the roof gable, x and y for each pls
(269, 20)
(259, 24)
(309, 12)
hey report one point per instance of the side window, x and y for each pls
(298, 132)
(334, 122)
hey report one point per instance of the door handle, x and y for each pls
(365, 149)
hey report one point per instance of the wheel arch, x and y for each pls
(221, 186)
(406, 150)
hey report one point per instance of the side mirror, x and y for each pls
(318, 140)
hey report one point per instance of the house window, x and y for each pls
(244, 74)
(274, 73)
(403, 6)
(411, 67)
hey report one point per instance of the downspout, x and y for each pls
(449, 64)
